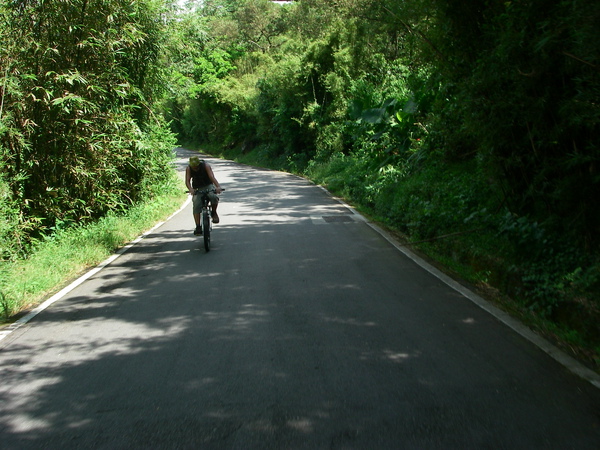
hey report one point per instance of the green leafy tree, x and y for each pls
(79, 79)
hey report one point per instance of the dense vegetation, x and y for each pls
(469, 127)
(78, 139)
(77, 136)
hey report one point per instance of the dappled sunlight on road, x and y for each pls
(244, 213)
(301, 328)
(61, 364)
(396, 357)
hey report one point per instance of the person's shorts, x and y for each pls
(197, 199)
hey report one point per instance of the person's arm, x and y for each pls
(211, 175)
(188, 180)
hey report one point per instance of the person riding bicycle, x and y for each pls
(199, 176)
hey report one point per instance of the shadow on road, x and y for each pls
(293, 332)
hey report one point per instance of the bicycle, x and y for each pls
(206, 216)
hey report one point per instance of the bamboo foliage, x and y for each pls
(78, 77)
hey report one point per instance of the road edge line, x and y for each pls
(546, 346)
(8, 330)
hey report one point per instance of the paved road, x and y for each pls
(302, 328)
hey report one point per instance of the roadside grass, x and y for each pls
(56, 261)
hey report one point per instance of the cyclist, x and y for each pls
(199, 176)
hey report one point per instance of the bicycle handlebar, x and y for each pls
(205, 191)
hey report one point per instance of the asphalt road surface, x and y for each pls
(302, 328)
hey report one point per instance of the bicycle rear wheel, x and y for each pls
(206, 229)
